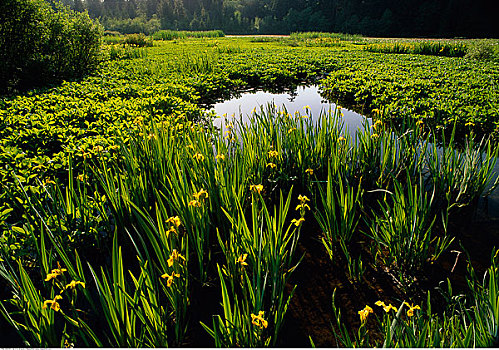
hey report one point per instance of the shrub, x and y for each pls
(133, 26)
(40, 44)
(481, 50)
(139, 40)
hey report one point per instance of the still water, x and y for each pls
(242, 106)
(293, 101)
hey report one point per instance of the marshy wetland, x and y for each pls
(350, 201)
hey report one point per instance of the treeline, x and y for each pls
(398, 18)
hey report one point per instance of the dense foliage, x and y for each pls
(41, 44)
(437, 90)
(128, 220)
(407, 18)
(41, 129)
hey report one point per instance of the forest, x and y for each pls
(401, 18)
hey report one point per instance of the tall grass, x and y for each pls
(119, 52)
(137, 40)
(339, 216)
(322, 35)
(461, 176)
(404, 232)
(431, 48)
(193, 205)
(466, 322)
(260, 260)
(174, 34)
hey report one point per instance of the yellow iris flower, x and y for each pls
(364, 313)
(55, 273)
(242, 260)
(258, 320)
(387, 308)
(303, 199)
(198, 156)
(412, 307)
(169, 278)
(201, 194)
(302, 206)
(174, 256)
(195, 203)
(256, 188)
(174, 220)
(273, 154)
(54, 305)
(74, 283)
(298, 222)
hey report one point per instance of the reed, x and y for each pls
(404, 232)
(174, 34)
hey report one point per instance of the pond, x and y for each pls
(295, 100)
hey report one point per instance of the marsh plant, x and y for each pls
(119, 252)
(405, 231)
(467, 321)
(260, 260)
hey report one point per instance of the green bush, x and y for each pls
(139, 40)
(136, 25)
(482, 50)
(41, 44)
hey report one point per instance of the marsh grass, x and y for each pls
(323, 35)
(467, 321)
(433, 48)
(173, 34)
(120, 52)
(459, 176)
(196, 205)
(260, 259)
(404, 234)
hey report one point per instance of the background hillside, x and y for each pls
(394, 18)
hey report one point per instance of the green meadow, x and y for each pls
(128, 220)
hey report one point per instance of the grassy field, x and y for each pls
(128, 220)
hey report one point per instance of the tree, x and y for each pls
(385, 23)
(41, 45)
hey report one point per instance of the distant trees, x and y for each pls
(445, 18)
(42, 43)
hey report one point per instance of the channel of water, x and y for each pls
(243, 104)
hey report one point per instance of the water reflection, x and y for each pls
(293, 101)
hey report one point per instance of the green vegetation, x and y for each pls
(322, 35)
(483, 50)
(409, 326)
(138, 40)
(421, 48)
(174, 34)
(436, 90)
(136, 25)
(128, 220)
(40, 45)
